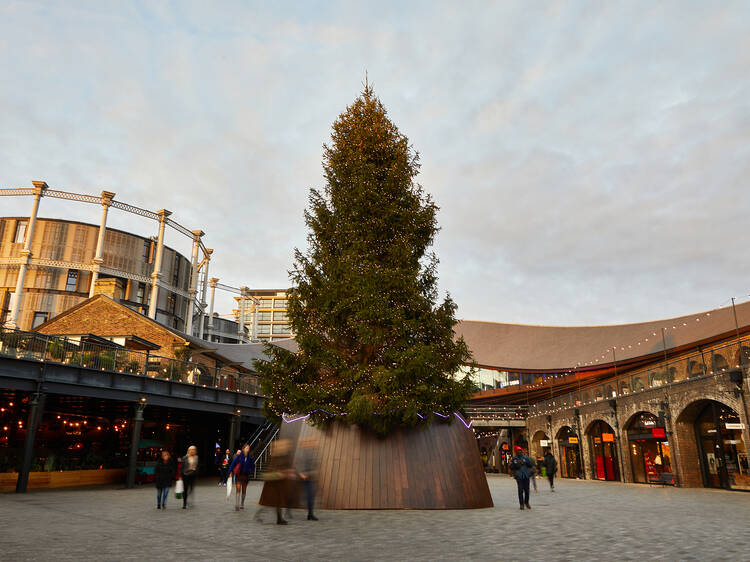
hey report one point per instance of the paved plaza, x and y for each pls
(580, 521)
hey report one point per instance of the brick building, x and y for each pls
(657, 402)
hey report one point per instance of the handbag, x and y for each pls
(179, 488)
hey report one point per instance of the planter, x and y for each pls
(64, 479)
(433, 468)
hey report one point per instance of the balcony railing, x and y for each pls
(102, 357)
(703, 363)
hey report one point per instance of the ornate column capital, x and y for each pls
(40, 187)
(106, 198)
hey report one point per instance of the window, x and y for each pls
(264, 315)
(176, 270)
(281, 329)
(39, 319)
(20, 232)
(265, 303)
(140, 295)
(280, 303)
(171, 303)
(264, 329)
(280, 316)
(147, 251)
(72, 283)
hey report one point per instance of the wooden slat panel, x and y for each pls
(434, 468)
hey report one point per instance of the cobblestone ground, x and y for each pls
(580, 521)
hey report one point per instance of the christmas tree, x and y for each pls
(375, 347)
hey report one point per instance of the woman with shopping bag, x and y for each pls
(242, 468)
(189, 472)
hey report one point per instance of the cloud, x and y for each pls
(590, 160)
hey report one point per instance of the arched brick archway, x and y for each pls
(647, 451)
(603, 454)
(702, 457)
(537, 450)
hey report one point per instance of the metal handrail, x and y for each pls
(111, 358)
(262, 456)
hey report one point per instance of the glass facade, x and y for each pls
(603, 447)
(723, 456)
(650, 451)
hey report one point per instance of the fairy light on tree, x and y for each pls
(374, 343)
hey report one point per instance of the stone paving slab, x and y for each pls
(581, 521)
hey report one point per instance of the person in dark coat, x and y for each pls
(279, 479)
(164, 474)
(521, 466)
(243, 468)
(189, 472)
(550, 464)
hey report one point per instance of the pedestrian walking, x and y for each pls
(225, 462)
(307, 471)
(164, 474)
(521, 466)
(279, 479)
(550, 465)
(242, 467)
(189, 472)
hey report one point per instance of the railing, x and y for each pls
(102, 357)
(505, 413)
(263, 457)
(711, 361)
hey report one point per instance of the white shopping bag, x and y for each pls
(179, 489)
(230, 486)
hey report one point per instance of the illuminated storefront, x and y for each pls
(723, 456)
(570, 453)
(603, 452)
(650, 451)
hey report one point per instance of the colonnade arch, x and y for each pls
(713, 445)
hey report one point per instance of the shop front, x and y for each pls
(723, 456)
(570, 453)
(650, 451)
(603, 448)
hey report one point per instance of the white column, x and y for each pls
(241, 323)
(206, 260)
(156, 274)
(106, 201)
(197, 234)
(211, 283)
(39, 188)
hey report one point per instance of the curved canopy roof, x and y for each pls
(559, 348)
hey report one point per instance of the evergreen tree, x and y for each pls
(375, 348)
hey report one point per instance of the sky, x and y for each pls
(590, 159)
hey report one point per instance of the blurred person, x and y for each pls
(279, 479)
(165, 472)
(225, 462)
(550, 465)
(521, 466)
(189, 472)
(307, 469)
(242, 467)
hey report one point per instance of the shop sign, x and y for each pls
(734, 425)
(658, 432)
(597, 440)
(732, 441)
(544, 443)
(572, 439)
(608, 437)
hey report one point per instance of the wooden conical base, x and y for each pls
(433, 468)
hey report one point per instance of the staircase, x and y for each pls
(260, 448)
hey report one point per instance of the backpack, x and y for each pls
(515, 463)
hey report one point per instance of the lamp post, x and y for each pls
(135, 440)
